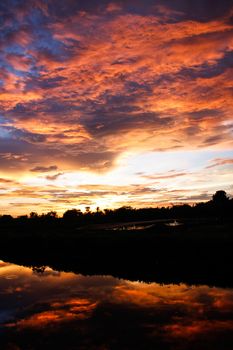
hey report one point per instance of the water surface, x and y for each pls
(45, 309)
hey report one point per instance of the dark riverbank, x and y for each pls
(197, 252)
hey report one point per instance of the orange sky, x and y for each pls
(114, 103)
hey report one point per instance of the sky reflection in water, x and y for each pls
(41, 310)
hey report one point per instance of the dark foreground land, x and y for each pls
(196, 252)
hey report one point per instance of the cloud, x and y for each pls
(108, 105)
(53, 177)
(43, 169)
(170, 175)
(6, 181)
(219, 162)
(85, 83)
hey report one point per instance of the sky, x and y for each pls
(112, 103)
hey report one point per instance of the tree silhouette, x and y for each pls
(51, 214)
(221, 204)
(33, 215)
(220, 197)
(72, 214)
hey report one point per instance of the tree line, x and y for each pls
(220, 206)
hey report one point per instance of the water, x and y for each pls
(47, 309)
(174, 224)
(131, 227)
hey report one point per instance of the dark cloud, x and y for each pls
(6, 181)
(52, 107)
(192, 130)
(35, 82)
(106, 123)
(43, 169)
(99, 160)
(201, 10)
(230, 20)
(213, 140)
(53, 177)
(141, 190)
(15, 154)
(194, 198)
(209, 71)
(204, 113)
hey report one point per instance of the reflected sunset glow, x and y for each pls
(97, 308)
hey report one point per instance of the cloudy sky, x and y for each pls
(114, 103)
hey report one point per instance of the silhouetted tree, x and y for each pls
(33, 215)
(221, 204)
(220, 197)
(51, 214)
(88, 209)
(22, 217)
(72, 214)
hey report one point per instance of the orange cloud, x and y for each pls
(197, 328)
(83, 87)
(70, 310)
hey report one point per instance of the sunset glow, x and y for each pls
(105, 104)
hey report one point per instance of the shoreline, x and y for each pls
(191, 254)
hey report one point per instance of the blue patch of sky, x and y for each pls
(18, 73)
(5, 133)
(159, 162)
(44, 37)
(16, 49)
(3, 120)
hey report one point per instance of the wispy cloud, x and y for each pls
(219, 162)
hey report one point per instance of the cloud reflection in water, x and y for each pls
(101, 312)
